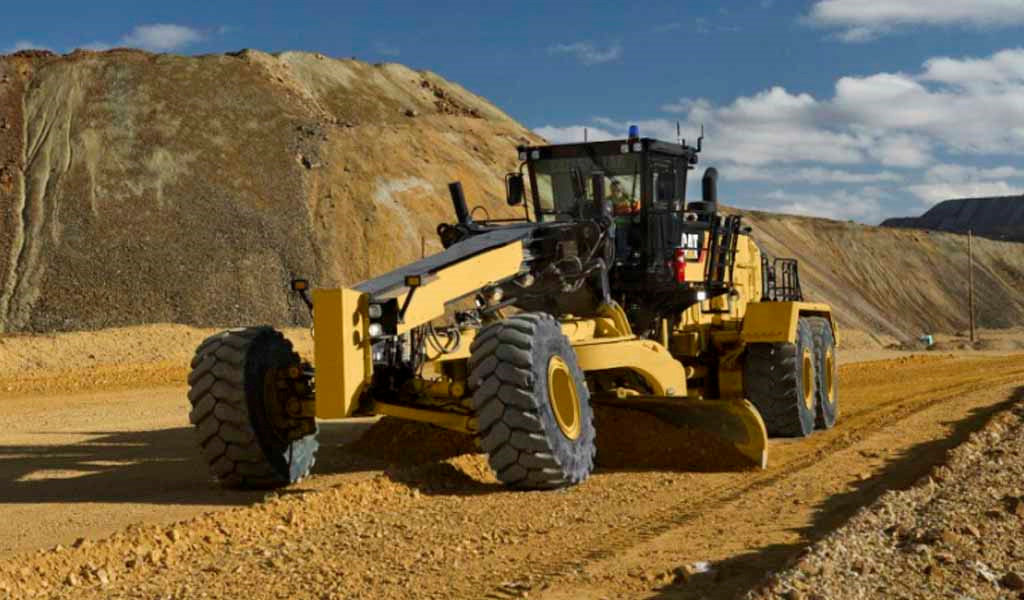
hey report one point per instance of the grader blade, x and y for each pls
(735, 422)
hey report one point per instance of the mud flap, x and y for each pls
(735, 422)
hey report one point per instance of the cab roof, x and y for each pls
(607, 148)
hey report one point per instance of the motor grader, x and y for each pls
(611, 288)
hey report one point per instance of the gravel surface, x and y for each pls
(959, 533)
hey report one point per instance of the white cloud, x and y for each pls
(588, 53)
(881, 129)
(159, 37)
(808, 175)
(932, 193)
(771, 126)
(162, 37)
(970, 105)
(23, 45)
(980, 74)
(963, 173)
(945, 181)
(901, 150)
(862, 20)
(573, 133)
(967, 105)
(865, 205)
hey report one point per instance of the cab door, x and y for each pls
(667, 181)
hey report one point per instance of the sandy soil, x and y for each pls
(390, 525)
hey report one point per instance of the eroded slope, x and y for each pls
(139, 188)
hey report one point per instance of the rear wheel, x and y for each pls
(532, 404)
(252, 407)
(780, 381)
(826, 370)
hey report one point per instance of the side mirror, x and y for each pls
(514, 189)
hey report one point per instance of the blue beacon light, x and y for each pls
(634, 132)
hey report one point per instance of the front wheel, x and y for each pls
(532, 404)
(252, 407)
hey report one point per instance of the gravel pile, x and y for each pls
(959, 533)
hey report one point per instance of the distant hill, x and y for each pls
(895, 284)
(998, 218)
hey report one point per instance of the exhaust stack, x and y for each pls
(459, 202)
(709, 188)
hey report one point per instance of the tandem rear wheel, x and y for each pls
(795, 385)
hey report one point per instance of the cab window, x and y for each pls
(668, 182)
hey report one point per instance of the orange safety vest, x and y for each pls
(621, 205)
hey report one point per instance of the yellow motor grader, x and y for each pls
(611, 288)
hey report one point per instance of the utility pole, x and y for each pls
(970, 278)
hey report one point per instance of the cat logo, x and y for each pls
(692, 243)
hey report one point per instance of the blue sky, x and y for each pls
(850, 109)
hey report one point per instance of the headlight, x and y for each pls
(701, 295)
(375, 330)
(375, 311)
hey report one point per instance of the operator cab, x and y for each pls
(638, 187)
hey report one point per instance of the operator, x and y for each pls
(622, 204)
(625, 210)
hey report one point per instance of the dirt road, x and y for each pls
(362, 527)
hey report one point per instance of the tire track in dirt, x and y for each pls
(671, 514)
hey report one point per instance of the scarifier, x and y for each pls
(612, 289)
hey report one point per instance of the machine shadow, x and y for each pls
(735, 576)
(149, 467)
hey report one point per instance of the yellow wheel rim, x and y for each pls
(808, 380)
(829, 374)
(565, 403)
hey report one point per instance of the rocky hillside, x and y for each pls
(893, 285)
(142, 188)
(1000, 218)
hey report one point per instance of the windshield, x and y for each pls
(563, 183)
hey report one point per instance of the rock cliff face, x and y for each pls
(148, 188)
(1000, 218)
(139, 188)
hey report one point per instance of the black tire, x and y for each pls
(773, 375)
(510, 365)
(226, 389)
(826, 371)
